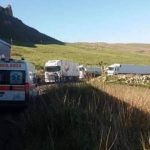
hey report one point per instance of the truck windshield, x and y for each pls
(111, 68)
(12, 77)
(52, 68)
(81, 69)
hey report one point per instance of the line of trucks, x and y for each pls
(62, 71)
(18, 78)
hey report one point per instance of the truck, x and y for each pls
(128, 69)
(17, 82)
(89, 71)
(5, 49)
(60, 71)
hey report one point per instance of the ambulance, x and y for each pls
(18, 83)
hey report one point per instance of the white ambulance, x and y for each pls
(17, 82)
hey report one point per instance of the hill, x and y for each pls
(85, 53)
(12, 28)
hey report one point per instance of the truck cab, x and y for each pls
(60, 71)
(89, 71)
(113, 69)
(82, 72)
(52, 71)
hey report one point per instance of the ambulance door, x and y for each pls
(12, 85)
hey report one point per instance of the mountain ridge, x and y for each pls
(13, 29)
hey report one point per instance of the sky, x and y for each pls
(112, 21)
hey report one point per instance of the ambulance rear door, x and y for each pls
(12, 82)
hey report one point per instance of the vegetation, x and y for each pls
(82, 116)
(132, 80)
(83, 53)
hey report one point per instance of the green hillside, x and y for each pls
(85, 53)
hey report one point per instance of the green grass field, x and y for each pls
(85, 53)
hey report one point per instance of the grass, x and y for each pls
(87, 117)
(82, 116)
(81, 53)
(136, 96)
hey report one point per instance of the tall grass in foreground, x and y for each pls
(136, 96)
(83, 117)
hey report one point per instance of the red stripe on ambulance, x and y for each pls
(4, 87)
(18, 88)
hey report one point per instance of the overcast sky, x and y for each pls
(111, 21)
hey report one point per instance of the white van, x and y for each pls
(17, 82)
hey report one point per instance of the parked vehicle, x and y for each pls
(89, 71)
(5, 49)
(17, 82)
(61, 71)
(128, 69)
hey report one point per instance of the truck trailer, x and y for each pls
(61, 71)
(128, 69)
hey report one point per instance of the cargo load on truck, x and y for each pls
(89, 71)
(17, 82)
(5, 49)
(128, 69)
(61, 71)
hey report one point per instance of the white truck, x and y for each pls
(61, 71)
(89, 71)
(5, 49)
(128, 69)
(17, 82)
